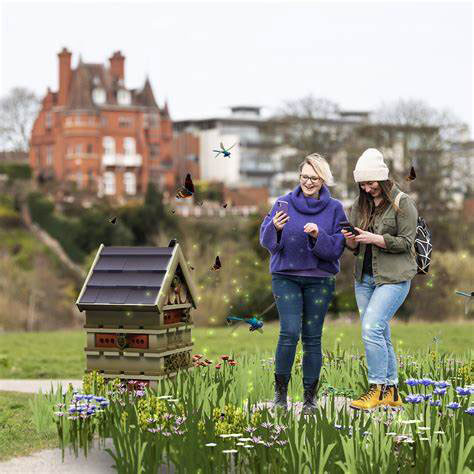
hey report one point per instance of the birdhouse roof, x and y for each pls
(136, 278)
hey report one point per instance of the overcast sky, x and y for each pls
(203, 57)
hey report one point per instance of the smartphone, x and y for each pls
(282, 206)
(346, 225)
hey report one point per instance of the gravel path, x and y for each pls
(98, 461)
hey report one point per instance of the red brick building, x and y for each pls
(101, 135)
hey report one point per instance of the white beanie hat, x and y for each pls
(371, 167)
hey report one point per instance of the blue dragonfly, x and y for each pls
(223, 150)
(255, 323)
(469, 295)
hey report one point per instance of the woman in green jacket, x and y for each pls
(385, 265)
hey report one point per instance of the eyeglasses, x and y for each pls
(313, 179)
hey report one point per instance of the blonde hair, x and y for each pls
(320, 166)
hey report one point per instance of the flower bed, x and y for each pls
(210, 421)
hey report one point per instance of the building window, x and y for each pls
(125, 122)
(123, 97)
(130, 182)
(109, 145)
(103, 121)
(79, 179)
(154, 150)
(49, 155)
(79, 148)
(89, 148)
(48, 120)
(129, 146)
(109, 182)
(151, 120)
(98, 96)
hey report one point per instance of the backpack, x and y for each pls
(423, 245)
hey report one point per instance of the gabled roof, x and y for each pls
(145, 96)
(88, 76)
(135, 278)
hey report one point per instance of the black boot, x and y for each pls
(309, 405)
(281, 391)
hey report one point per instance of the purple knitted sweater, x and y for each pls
(297, 250)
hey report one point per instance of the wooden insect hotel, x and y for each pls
(138, 304)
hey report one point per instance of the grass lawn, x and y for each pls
(60, 354)
(17, 435)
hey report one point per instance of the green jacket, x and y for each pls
(397, 262)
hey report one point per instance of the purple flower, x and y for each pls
(427, 382)
(469, 411)
(412, 382)
(464, 391)
(442, 384)
(439, 391)
(413, 398)
(427, 397)
(453, 405)
(435, 403)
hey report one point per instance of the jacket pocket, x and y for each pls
(389, 226)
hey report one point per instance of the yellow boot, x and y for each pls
(370, 399)
(391, 397)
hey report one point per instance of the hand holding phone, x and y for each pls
(347, 226)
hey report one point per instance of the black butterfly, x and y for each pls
(173, 211)
(412, 175)
(113, 220)
(187, 190)
(224, 205)
(16, 249)
(217, 265)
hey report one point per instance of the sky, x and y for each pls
(204, 57)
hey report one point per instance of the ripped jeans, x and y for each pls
(302, 305)
(377, 305)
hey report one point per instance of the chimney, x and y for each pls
(117, 65)
(64, 75)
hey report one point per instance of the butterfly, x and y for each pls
(187, 190)
(173, 211)
(469, 295)
(113, 220)
(412, 175)
(255, 323)
(224, 205)
(217, 265)
(223, 150)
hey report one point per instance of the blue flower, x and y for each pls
(442, 384)
(464, 391)
(453, 405)
(435, 403)
(439, 391)
(469, 411)
(414, 398)
(412, 382)
(339, 427)
(427, 397)
(427, 382)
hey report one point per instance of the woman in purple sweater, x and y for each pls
(305, 244)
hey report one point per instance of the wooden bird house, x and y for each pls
(138, 303)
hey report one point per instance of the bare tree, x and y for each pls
(18, 111)
(426, 134)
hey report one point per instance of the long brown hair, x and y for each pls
(366, 203)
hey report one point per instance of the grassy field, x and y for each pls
(17, 436)
(60, 354)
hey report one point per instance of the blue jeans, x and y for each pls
(377, 305)
(302, 303)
